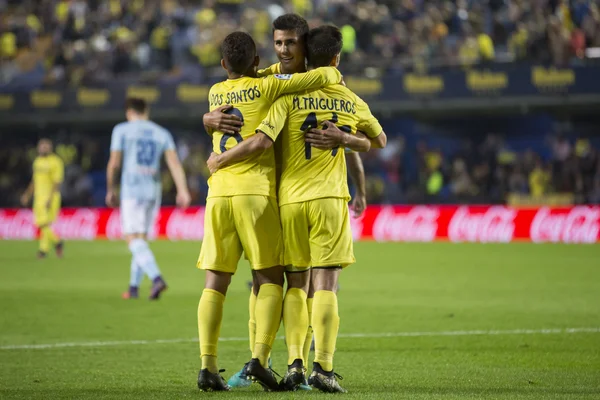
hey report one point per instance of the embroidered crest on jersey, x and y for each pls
(285, 77)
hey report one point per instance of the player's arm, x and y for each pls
(370, 125)
(265, 136)
(183, 198)
(26, 196)
(357, 174)
(277, 84)
(219, 120)
(114, 164)
(254, 144)
(57, 175)
(330, 136)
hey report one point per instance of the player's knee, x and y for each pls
(136, 244)
(131, 237)
(273, 275)
(298, 280)
(217, 280)
(255, 283)
(325, 278)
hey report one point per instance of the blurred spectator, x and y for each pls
(156, 40)
(539, 180)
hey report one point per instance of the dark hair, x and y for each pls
(238, 51)
(136, 104)
(324, 43)
(291, 22)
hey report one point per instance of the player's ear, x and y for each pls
(256, 60)
(223, 64)
(336, 60)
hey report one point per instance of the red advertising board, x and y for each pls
(495, 224)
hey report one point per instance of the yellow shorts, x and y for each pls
(44, 215)
(317, 233)
(241, 223)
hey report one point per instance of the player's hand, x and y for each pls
(25, 199)
(213, 163)
(359, 204)
(325, 139)
(226, 123)
(111, 199)
(183, 199)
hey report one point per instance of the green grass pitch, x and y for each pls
(422, 295)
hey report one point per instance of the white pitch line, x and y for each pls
(549, 331)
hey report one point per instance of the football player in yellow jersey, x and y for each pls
(48, 173)
(289, 42)
(313, 198)
(241, 209)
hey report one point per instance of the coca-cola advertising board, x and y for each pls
(483, 224)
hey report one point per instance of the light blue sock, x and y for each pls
(136, 274)
(143, 257)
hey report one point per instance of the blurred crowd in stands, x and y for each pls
(73, 42)
(482, 169)
(485, 171)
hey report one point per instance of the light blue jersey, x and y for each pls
(142, 143)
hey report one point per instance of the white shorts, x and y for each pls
(138, 216)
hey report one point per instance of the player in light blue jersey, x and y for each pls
(138, 145)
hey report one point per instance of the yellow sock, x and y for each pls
(44, 240)
(309, 333)
(210, 315)
(52, 236)
(295, 322)
(252, 320)
(47, 238)
(325, 323)
(269, 303)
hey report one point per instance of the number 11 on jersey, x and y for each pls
(311, 122)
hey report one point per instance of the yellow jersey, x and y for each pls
(271, 70)
(47, 172)
(251, 99)
(309, 173)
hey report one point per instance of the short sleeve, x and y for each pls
(117, 139)
(274, 122)
(272, 70)
(367, 122)
(279, 84)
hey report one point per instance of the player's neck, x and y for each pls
(138, 118)
(249, 74)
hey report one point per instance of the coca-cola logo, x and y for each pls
(420, 224)
(579, 225)
(496, 224)
(17, 224)
(82, 224)
(185, 225)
